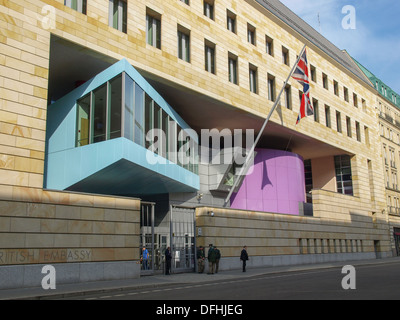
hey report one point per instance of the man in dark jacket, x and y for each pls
(168, 258)
(244, 257)
(217, 257)
(211, 259)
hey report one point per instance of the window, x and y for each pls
(338, 122)
(185, 1)
(139, 134)
(232, 65)
(346, 94)
(99, 114)
(115, 108)
(325, 81)
(328, 116)
(78, 5)
(343, 174)
(364, 104)
(83, 121)
(288, 97)
(183, 44)
(251, 34)
(313, 73)
(335, 87)
(285, 56)
(118, 15)
(231, 21)
(271, 87)
(208, 7)
(355, 100)
(269, 45)
(148, 120)
(153, 29)
(358, 131)
(253, 78)
(348, 126)
(209, 53)
(128, 108)
(316, 110)
(366, 134)
(308, 180)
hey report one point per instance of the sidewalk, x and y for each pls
(71, 290)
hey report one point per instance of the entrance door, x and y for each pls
(182, 239)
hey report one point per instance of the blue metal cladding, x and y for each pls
(93, 167)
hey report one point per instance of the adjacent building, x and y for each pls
(123, 125)
(388, 105)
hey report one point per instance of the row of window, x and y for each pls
(336, 91)
(338, 117)
(121, 108)
(308, 246)
(384, 91)
(118, 20)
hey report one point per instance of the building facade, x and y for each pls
(388, 105)
(86, 182)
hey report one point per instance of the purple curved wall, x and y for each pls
(276, 183)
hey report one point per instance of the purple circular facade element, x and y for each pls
(274, 184)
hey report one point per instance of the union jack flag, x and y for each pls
(301, 75)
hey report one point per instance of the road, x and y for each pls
(372, 282)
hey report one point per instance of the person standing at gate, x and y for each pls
(211, 259)
(244, 257)
(145, 258)
(168, 258)
(217, 257)
(200, 259)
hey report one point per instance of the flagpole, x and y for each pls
(251, 152)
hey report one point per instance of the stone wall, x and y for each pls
(342, 228)
(80, 234)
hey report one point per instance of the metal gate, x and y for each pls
(158, 231)
(183, 239)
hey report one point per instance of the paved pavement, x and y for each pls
(71, 290)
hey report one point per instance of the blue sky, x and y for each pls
(375, 41)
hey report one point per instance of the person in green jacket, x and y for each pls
(200, 259)
(212, 257)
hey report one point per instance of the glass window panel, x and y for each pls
(139, 115)
(148, 119)
(99, 114)
(165, 120)
(128, 109)
(115, 107)
(83, 121)
(157, 124)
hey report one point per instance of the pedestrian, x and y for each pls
(145, 258)
(168, 258)
(244, 257)
(217, 257)
(200, 259)
(211, 259)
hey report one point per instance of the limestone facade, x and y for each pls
(42, 225)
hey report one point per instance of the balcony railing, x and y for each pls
(393, 210)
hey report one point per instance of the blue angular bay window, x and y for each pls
(105, 128)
